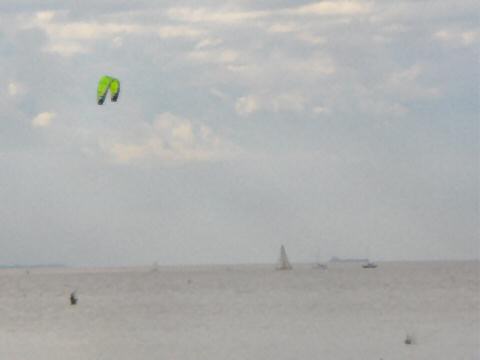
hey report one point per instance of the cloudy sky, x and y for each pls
(340, 128)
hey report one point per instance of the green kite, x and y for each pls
(107, 83)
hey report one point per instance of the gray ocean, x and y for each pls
(243, 312)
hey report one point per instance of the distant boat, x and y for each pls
(283, 263)
(320, 266)
(369, 265)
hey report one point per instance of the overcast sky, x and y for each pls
(336, 128)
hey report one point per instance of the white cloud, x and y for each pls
(458, 37)
(67, 38)
(266, 73)
(208, 42)
(247, 105)
(469, 37)
(311, 38)
(208, 51)
(227, 57)
(317, 65)
(52, 24)
(443, 35)
(179, 32)
(406, 75)
(236, 16)
(43, 119)
(282, 28)
(67, 48)
(15, 88)
(117, 42)
(321, 110)
(289, 101)
(218, 94)
(45, 16)
(71, 38)
(406, 83)
(295, 102)
(298, 31)
(190, 14)
(12, 89)
(381, 107)
(334, 8)
(170, 139)
(381, 39)
(395, 28)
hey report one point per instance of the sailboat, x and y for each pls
(283, 263)
(369, 265)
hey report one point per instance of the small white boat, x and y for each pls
(369, 265)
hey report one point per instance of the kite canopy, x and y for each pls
(107, 83)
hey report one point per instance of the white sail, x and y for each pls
(283, 263)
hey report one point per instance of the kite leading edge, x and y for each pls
(107, 83)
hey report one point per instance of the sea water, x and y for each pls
(243, 312)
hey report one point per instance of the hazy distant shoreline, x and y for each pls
(34, 266)
(301, 265)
